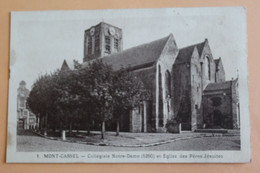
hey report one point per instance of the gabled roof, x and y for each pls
(219, 86)
(186, 52)
(143, 54)
(67, 65)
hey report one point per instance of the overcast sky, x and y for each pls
(40, 41)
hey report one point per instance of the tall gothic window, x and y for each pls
(97, 40)
(90, 45)
(116, 43)
(168, 83)
(207, 68)
(107, 43)
(160, 99)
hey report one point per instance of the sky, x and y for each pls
(41, 40)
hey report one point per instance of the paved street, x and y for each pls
(37, 143)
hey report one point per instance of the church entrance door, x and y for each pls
(217, 118)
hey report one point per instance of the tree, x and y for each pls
(74, 95)
(101, 88)
(65, 98)
(41, 97)
(93, 93)
(83, 79)
(128, 92)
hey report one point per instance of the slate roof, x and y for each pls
(219, 86)
(185, 53)
(143, 54)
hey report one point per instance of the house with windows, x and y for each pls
(186, 83)
(25, 118)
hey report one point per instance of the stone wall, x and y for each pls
(235, 104)
(136, 120)
(147, 75)
(181, 94)
(164, 78)
(189, 81)
(196, 91)
(206, 54)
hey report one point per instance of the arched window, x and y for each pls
(207, 68)
(168, 84)
(160, 99)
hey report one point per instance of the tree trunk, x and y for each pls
(45, 125)
(40, 123)
(117, 127)
(103, 130)
(61, 127)
(93, 125)
(88, 128)
(70, 128)
(46, 122)
(37, 123)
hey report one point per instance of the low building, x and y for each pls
(221, 105)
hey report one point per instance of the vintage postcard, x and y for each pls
(165, 85)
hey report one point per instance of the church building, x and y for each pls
(186, 83)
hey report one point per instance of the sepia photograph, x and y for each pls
(129, 86)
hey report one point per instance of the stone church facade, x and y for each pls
(186, 83)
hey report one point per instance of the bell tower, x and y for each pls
(101, 40)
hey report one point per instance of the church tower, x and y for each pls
(102, 39)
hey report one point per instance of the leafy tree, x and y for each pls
(101, 76)
(66, 99)
(93, 93)
(83, 80)
(128, 92)
(40, 99)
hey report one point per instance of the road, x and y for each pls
(36, 143)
